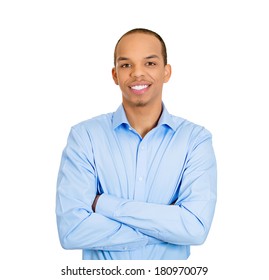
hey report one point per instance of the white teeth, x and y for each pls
(139, 87)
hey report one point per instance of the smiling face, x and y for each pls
(139, 70)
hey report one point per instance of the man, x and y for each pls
(138, 183)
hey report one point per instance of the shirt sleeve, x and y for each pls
(188, 220)
(78, 226)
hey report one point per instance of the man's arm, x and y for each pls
(188, 220)
(78, 226)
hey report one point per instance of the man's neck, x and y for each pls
(143, 118)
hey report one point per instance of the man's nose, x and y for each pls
(137, 71)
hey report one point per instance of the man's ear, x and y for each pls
(115, 76)
(167, 73)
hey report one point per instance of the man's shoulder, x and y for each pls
(185, 126)
(181, 122)
(95, 123)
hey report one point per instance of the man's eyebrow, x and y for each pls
(121, 58)
(152, 56)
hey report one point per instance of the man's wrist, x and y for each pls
(95, 202)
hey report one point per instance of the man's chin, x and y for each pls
(141, 103)
(137, 103)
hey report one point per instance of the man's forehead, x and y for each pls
(145, 44)
(138, 37)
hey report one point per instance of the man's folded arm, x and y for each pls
(188, 220)
(78, 226)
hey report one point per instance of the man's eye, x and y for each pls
(126, 65)
(150, 63)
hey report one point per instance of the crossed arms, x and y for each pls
(87, 220)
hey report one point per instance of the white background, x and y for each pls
(55, 70)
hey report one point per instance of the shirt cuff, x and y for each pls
(107, 205)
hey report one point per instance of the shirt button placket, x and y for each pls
(141, 171)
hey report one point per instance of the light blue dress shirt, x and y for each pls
(158, 192)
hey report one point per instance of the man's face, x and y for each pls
(140, 71)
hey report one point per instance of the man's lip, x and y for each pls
(139, 88)
(139, 84)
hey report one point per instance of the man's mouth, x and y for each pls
(139, 87)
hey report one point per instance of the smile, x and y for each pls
(139, 87)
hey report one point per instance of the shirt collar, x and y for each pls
(119, 118)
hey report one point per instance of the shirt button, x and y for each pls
(140, 179)
(142, 148)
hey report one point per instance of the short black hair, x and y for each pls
(145, 31)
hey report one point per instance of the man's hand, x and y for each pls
(95, 202)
